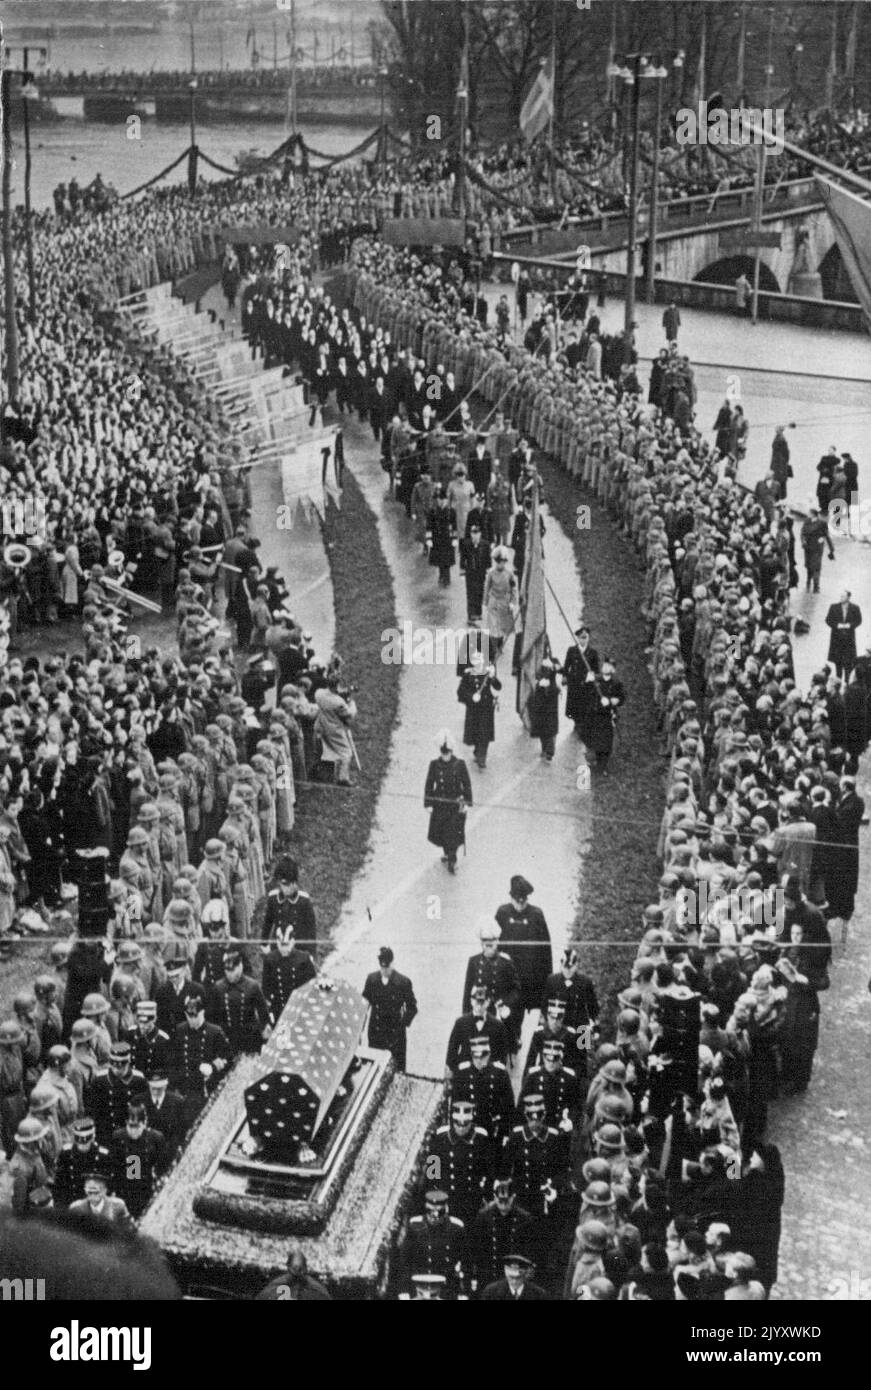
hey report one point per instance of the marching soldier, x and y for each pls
(478, 691)
(434, 1243)
(239, 1006)
(288, 905)
(475, 562)
(138, 1156)
(552, 1028)
(501, 1227)
(603, 718)
(447, 793)
(559, 1086)
(462, 1157)
(200, 1054)
(164, 1109)
(172, 997)
(575, 989)
(109, 1096)
(149, 1045)
(85, 1156)
(495, 970)
(537, 1158)
(489, 1085)
(480, 1022)
(392, 1007)
(285, 969)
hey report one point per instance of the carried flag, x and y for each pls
(537, 109)
(533, 637)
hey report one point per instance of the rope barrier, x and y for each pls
(222, 168)
(157, 177)
(337, 158)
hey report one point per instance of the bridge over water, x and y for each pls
(698, 238)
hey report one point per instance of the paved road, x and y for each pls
(529, 817)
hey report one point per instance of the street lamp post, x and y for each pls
(28, 94)
(760, 174)
(660, 74)
(382, 133)
(192, 156)
(632, 243)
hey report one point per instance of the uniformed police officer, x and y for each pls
(200, 1054)
(575, 989)
(149, 1045)
(285, 969)
(73, 1164)
(502, 1226)
(435, 1243)
(490, 1087)
(138, 1156)
(536, 1157)
(554, 1027)
(287, 905)
(481, 1020)
(392, 1007)
(172, 996)
(460, 1157)
(495, 970)
(558, 1084)
(239, 1006)
(109, 1096)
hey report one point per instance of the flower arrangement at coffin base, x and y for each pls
(292, 1216)
(351, 1255)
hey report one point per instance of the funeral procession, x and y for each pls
(435, 661)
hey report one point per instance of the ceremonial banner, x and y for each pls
(305, 472)
(533, 640)
(424, 231)
(538, 106)
(851, 218)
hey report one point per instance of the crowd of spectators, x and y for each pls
(254, 79)
(659, 1171)
(759, 841)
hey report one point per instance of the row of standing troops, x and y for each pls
(542, 409)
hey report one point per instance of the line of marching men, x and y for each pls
(497, 1178)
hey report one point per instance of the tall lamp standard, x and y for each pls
(760, 175)
(631, 76)
(382, 133)
(660, 73)
(29, 93)
(192, 157)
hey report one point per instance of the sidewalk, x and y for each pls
(818, 379)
